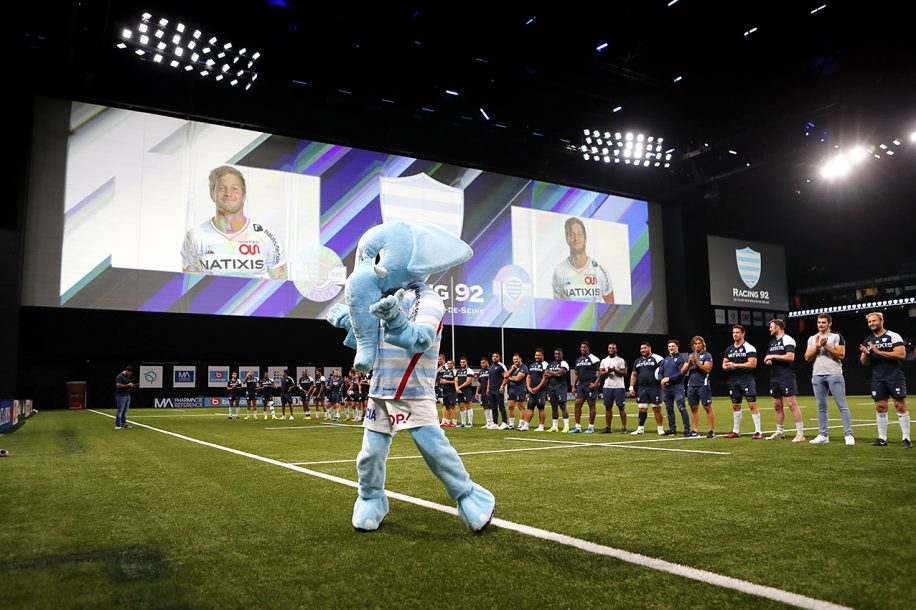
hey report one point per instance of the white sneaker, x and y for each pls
(501, 426)
(490, 426)
(639, 430)
(820, 439)
(539, 429)
(661, 432)
(850, 439)
(799, 438)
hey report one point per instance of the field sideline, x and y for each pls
(187, 509)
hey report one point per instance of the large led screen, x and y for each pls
(165, 214)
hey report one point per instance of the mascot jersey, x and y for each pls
(250, 252)
(399, 374)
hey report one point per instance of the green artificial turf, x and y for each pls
(92, 517)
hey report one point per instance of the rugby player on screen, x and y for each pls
(230, 243)
(578, 277)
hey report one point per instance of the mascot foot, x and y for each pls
(477, 508)
(369, 513)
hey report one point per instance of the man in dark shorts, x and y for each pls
(287, 384)
(463, 378)
(449, 394)
(483, 382)
(739, 362)
(783, 388)
(536, 384)
(645, 380)
(251, 395)
(884, 351)
(557, 389)
(697, 369)
(585, 381)
(518, 391)
(234, 387)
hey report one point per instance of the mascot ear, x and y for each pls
(434, 249)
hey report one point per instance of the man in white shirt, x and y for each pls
(613, 370)
(826, 351)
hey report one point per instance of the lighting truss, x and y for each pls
(629, 148)
(853, 307)
(170, 42)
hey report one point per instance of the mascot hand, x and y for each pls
(389, 307)
(339, 316)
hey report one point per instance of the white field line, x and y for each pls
(719, 580)
(615, 445)
(565, 445)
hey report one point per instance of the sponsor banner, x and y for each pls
(276, 373)
(150, 376)
(217, 376)
(184, 376)
(254, 368)
(748, 274)
(6, 415)
(192, 402)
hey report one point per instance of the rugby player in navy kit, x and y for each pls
(884, 351)
(781, 358)
(739, 362)
(265, 389)
(585, 380)
(518, 391)
(483, 382)
(557, 388)
(449, 387)
(697, 369)
(463, 378)
(286, 398)
(536, 384)
(251, 395)
(235, 391)
(644, 385)
(306, 385)
(496, 383)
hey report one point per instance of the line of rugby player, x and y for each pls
(678, 381)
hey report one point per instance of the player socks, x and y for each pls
(756, 418)
(780, 428)
(736, 416)
(470, 415)
(643, 416)
(904, 419)
(882, 426)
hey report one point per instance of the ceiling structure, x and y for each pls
(753, 96)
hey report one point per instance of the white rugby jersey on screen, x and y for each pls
(250, 252)
(402, 375)
(590, 283)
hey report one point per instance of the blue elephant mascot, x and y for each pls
(393, 319)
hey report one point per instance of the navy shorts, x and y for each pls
(882, 390)
(697, 394)
(612, 396)
(334, 396)
(783, 387)
(449, 399)
(484, 400)
(648, 395)
(518, 394)
(586, 393)
(556, 395)
(251, 396)
(742, 389)
(538, 399)
(466, 395)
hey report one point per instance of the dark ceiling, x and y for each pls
(751, 120)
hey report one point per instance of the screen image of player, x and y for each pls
(169, 215)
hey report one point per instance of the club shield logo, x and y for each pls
(748, 261)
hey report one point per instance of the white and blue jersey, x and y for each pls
(885, 369)
(740, 354)
(402, 375)
(782, 371)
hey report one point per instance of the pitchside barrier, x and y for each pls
(13, 413)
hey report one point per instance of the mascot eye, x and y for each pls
(378, 257)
